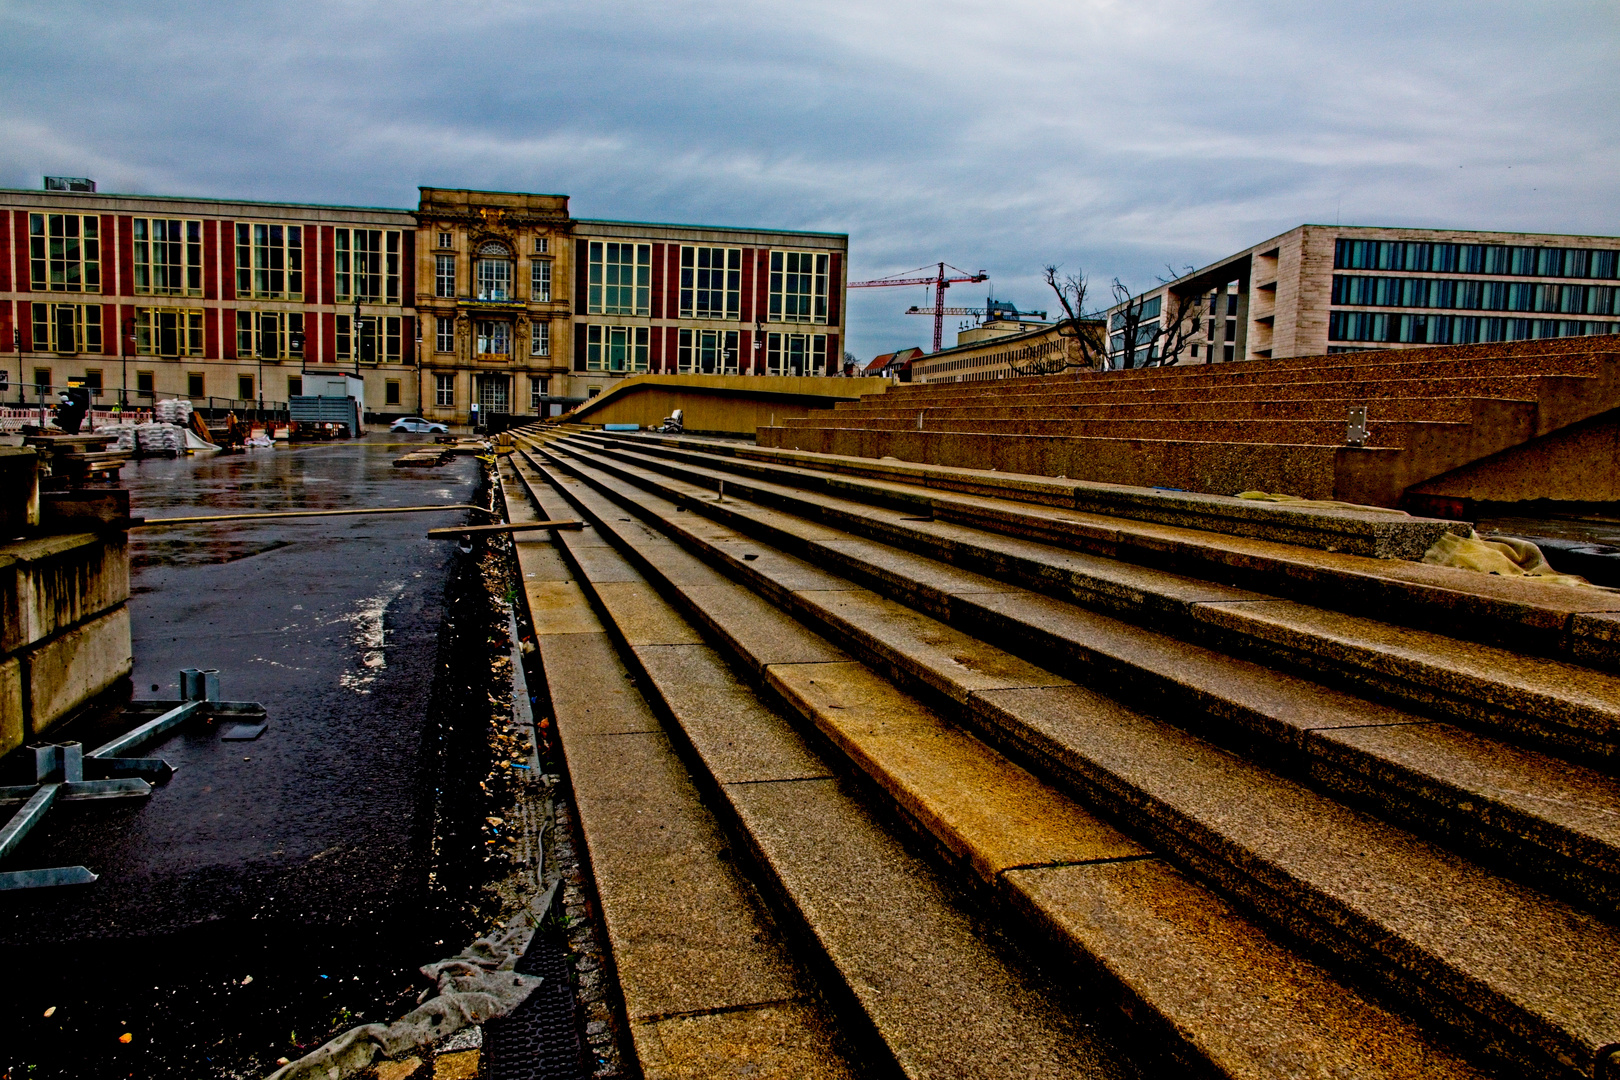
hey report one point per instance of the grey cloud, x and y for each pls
(1106, 135)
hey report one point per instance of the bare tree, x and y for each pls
(1150, 325)
(1081, 340)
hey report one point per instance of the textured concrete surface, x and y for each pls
(983, 808)
(1426, 920)
(739, 739)
(931, 998)
(1494, 686)
(51, 583)
(1380, 535)
(1464, 604)
(1241, 447)
(11, 705)
(641, 615)
(1524, 973)
(75, 666)
(591, 688)
(685, 937)
(1188, 964)
(784, 1041)
(946, 1001)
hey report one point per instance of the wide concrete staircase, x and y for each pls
(1273, 425)
(900, 770)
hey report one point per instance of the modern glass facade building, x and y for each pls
(1320, 289)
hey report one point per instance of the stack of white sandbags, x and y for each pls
(125, 438)
(172, 411)
(161, 439)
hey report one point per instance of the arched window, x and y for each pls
(492, 272)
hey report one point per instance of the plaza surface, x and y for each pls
(301, 858)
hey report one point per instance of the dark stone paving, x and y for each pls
(283, 853)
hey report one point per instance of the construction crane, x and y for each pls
(939, 281)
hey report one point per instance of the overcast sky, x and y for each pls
(1110, 136)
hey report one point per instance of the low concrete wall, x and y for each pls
(721, 404)
(1579, 464)
(64, 626)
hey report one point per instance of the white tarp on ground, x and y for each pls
(473, 987)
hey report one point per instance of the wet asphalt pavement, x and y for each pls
(305, 852)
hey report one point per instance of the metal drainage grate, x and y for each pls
(540, 1039)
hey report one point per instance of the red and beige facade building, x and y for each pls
(497, 300)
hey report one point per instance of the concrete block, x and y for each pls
(55, 582)
(74, 667)
(12, 722)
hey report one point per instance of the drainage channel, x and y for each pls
(573, 1025)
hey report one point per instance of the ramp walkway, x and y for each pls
(940, 775)
(1272, 425)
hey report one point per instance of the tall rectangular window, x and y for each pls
(796, 354)
(445, 339)
(244, 387)
(707, 352)
(620, 278)
(444, 275)
(493, 279)
(67, 328)
(493, 337)
(375, 340)
(366, 265)
(195, 387)
(711, 283)
(540, 281)
(616, 348)
(65, 252)
(798, 287)
(540, 338)
(444, 391)
(391, 392)
(269, 335)
(168, 332)
(145, 384)
(168, 257)
(539, 389)
(269, 261)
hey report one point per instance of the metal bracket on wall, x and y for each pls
(63, 772)
(1355, 432)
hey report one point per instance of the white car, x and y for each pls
(417, 425)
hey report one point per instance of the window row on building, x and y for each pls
(711, 283)
(167, 258)
(1380, 327)
(630, 349)
(1424, 257)
(1475, 295)
(492, 338)
(175, 332)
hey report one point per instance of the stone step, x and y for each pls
(1511, 387)
(1367, 530)
(1189, 969)
(1561, 622)
(707, 982)
(1328, 432)
(1143, 406)
(940, 1000)
(1308, 370)
(1498, 800)
(1530, 976)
